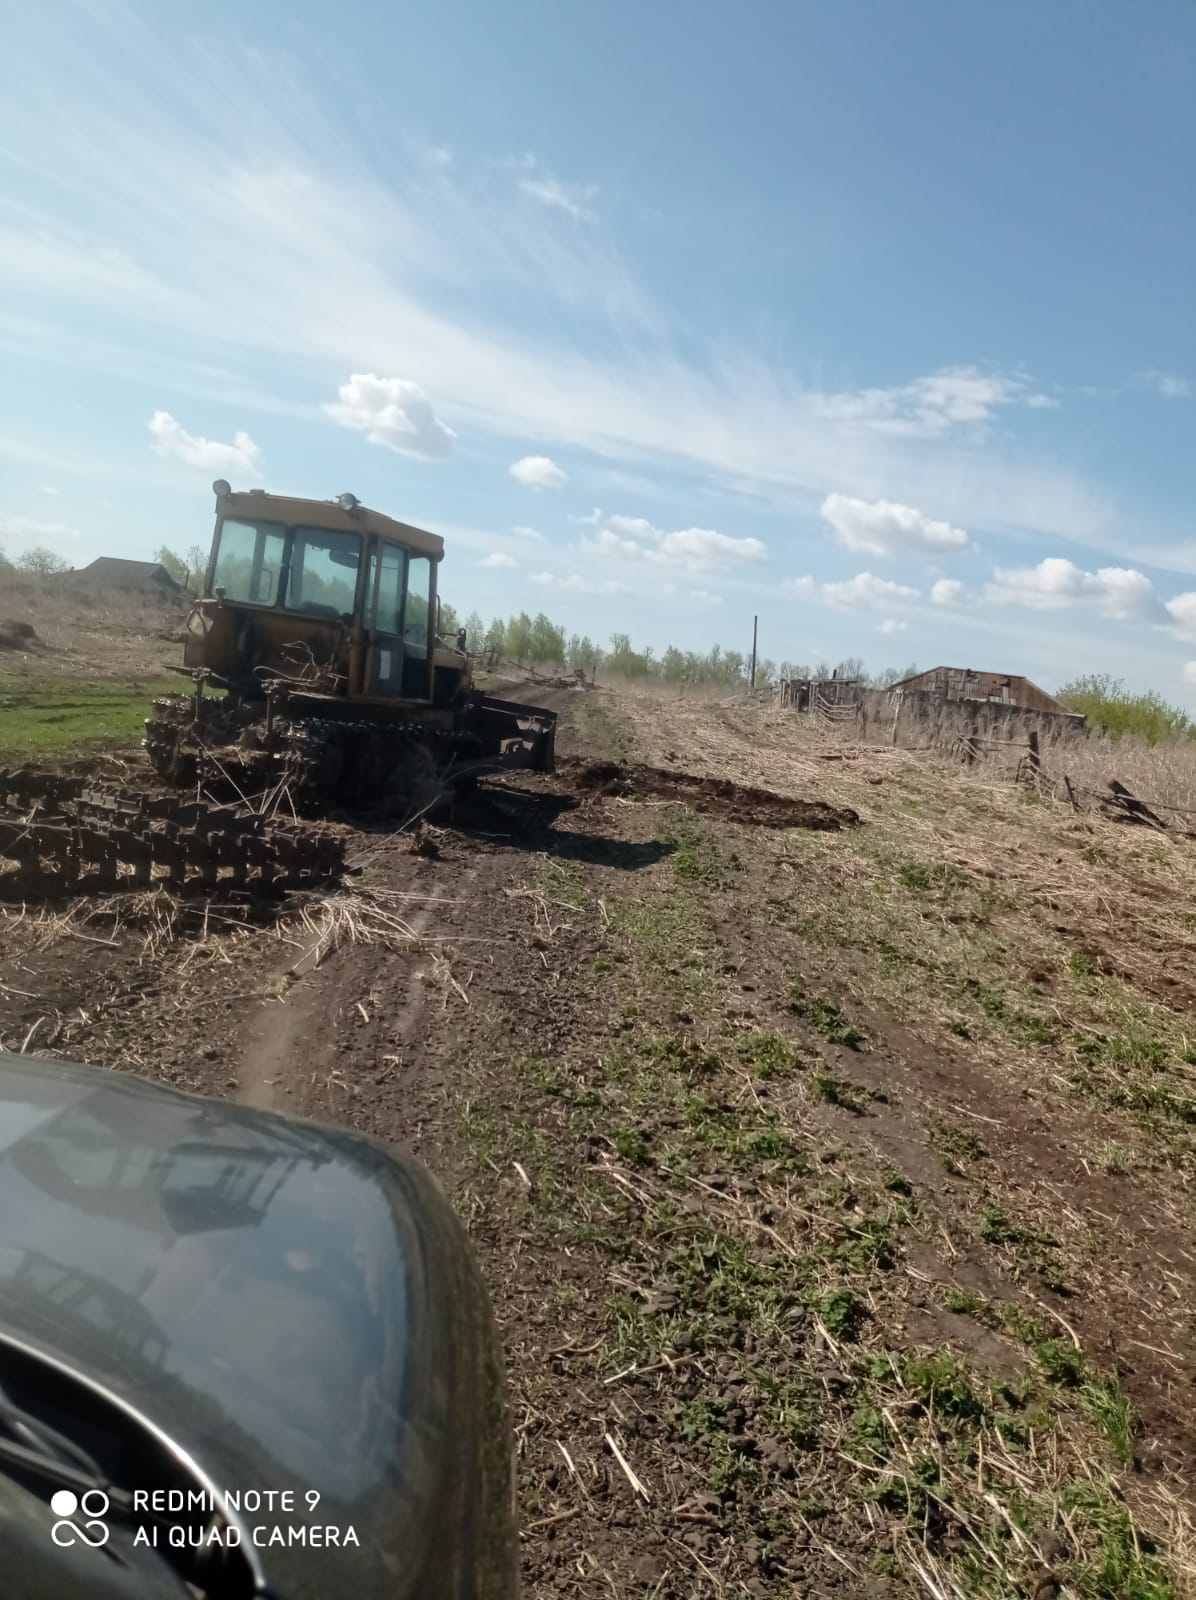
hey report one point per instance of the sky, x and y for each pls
(875, 321)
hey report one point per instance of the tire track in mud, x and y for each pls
(291, 1043)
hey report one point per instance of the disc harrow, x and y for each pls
(63, 835)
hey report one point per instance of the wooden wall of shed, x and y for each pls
(925, 719)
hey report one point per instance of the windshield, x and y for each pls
(323, 573)
(249, 561)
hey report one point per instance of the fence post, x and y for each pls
(1035, 761)
(970, 745)
(896, 718)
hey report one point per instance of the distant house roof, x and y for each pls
(965, 683)
(117, 573)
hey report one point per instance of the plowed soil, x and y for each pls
(715, 797)
(832, 1181)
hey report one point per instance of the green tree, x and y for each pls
(674, 665)
(624, 662)
(188, 571)
(734, 668)
(1112, 709)
(766, 672)
(547, 642)
(496, 637)
(583, 655)
(42, 562)
(475, 631)
(519, 637)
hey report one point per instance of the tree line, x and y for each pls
(37, 560)
(539, 642)
(1110, 708)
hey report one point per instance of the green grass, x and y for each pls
(766, 1055)
(825, 1018)
(926, 876)
(693, 852)
(832, 1091)
(47, 717)
(956, 1145)
(1112, 1413)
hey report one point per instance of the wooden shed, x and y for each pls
(965, 683)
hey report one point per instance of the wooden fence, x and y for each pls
(1116, 800)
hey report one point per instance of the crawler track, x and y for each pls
(63, 835)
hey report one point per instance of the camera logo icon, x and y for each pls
(92, 1506)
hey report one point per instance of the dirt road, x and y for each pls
(823, 1123)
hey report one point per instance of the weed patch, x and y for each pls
(825, 1018)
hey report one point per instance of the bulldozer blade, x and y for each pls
(512, 735)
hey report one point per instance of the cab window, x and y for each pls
(389, 615)
(419, 589)
(249, 561)
(323, 572)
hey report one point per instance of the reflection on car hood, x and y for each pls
(295, 1306)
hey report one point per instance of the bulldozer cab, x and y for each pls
(328, 596)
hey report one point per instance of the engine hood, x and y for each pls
(293, 1306)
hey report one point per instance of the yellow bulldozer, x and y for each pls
(316, 664)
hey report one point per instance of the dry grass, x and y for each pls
(82, 630)
(1162, 774)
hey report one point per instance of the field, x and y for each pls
(828, 1151)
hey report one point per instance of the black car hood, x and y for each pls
(295, 1307)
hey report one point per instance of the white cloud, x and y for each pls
(692, 549)
(1117, 592)
(1189, 672)
(48, 488)
(798, 586)
(572, 583)
(606, 542)
(439, 155)
(704, 547)
(393, 412)
(1171, 385)
(952, 397)
(577, 199)
(172, 439)
(891, 625)
(1182, 611)
(704, 597)
(635, 527)
(499, 558)
(948, 592)
(538, 472)
(866, 593)
(886, 528)
(532, 535)
(32, 530)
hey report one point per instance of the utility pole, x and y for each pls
(755, 620)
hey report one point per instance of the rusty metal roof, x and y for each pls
(966, 683)
(120, 573)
